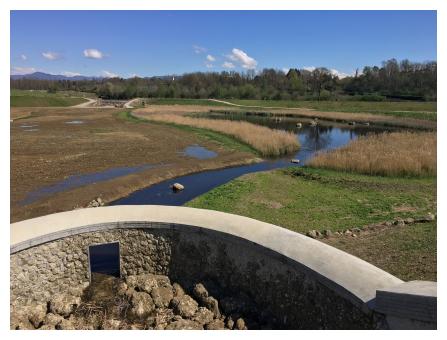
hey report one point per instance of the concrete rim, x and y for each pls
(338, 269)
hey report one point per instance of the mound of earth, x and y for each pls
(144, 301)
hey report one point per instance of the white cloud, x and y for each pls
(135, 75)
(227, 64)
(93, 53)
(309, 68)
(70, 74)
(199, 49)
(243, 59)
(108, 74)
(22, 70)
(51, 55)
(209, 57)
(23, 57)
(285, 70)
(339, 74)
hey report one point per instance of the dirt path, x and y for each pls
(88, 103)
(129, 104)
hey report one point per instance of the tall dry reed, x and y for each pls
(267, 141)
(388, 154)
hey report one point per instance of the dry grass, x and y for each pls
(389, 154)
(267, 141)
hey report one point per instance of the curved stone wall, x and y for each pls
(292, 280)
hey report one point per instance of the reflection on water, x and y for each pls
(81, 180)
(312, 139)
(75, 122)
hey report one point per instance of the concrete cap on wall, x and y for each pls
(349, 275)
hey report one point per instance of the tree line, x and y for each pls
(393, 80)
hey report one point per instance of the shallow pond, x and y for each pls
(199, 152)
(81, 180)
(311, 138)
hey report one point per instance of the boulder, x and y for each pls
(203, 316)
(216, 324)
(427, 218)
(184, 325)
(299, 125)
(162, 296)
(177, 187)
(212, 304)
(37, 313)
(178, 290)
(200, 292)
(399, 222)
(143, 282)
(66, 324)
(240, 324)
(52, 320)
(64, 304)
(229, 322)
(295, 161)
(327, 233)
(184, 305)
(409, 220)
(312, 233)
(141, 305)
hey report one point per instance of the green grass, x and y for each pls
(408, 109)
(222, 139)
(301, 199)
(407, 252)
(22, 98)
(420, 110)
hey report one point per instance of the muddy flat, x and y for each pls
(62, 158)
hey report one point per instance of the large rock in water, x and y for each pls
(177, 187)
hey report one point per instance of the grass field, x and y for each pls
(388, 154)
(404, 109)
(302, 199)
(419, 110)
(266, 141)
(21, 98)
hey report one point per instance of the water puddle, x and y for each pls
(28, 126)
(199, 152)
(75, 122)
(82, 180)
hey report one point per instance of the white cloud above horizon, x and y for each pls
(49, 55)
(199, 49)
(209, 57)
(93, 53)
(243, 59)
(227, 64)
(17, 70)
(70, 74)
(109, 74)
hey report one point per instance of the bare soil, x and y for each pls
(56, 150)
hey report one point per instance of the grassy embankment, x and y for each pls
(222, 139)
(21, 98)
(266, 141)
(408, 109)
(302, 199)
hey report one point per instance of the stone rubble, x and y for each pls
(354, 232)
(144, 301)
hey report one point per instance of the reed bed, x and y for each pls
(266, 141)
(387, 154)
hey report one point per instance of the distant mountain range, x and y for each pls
(47, 76)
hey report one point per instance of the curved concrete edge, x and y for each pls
(352, 275)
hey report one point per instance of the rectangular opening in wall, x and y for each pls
(104, 259)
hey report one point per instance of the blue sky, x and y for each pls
(147, 43)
